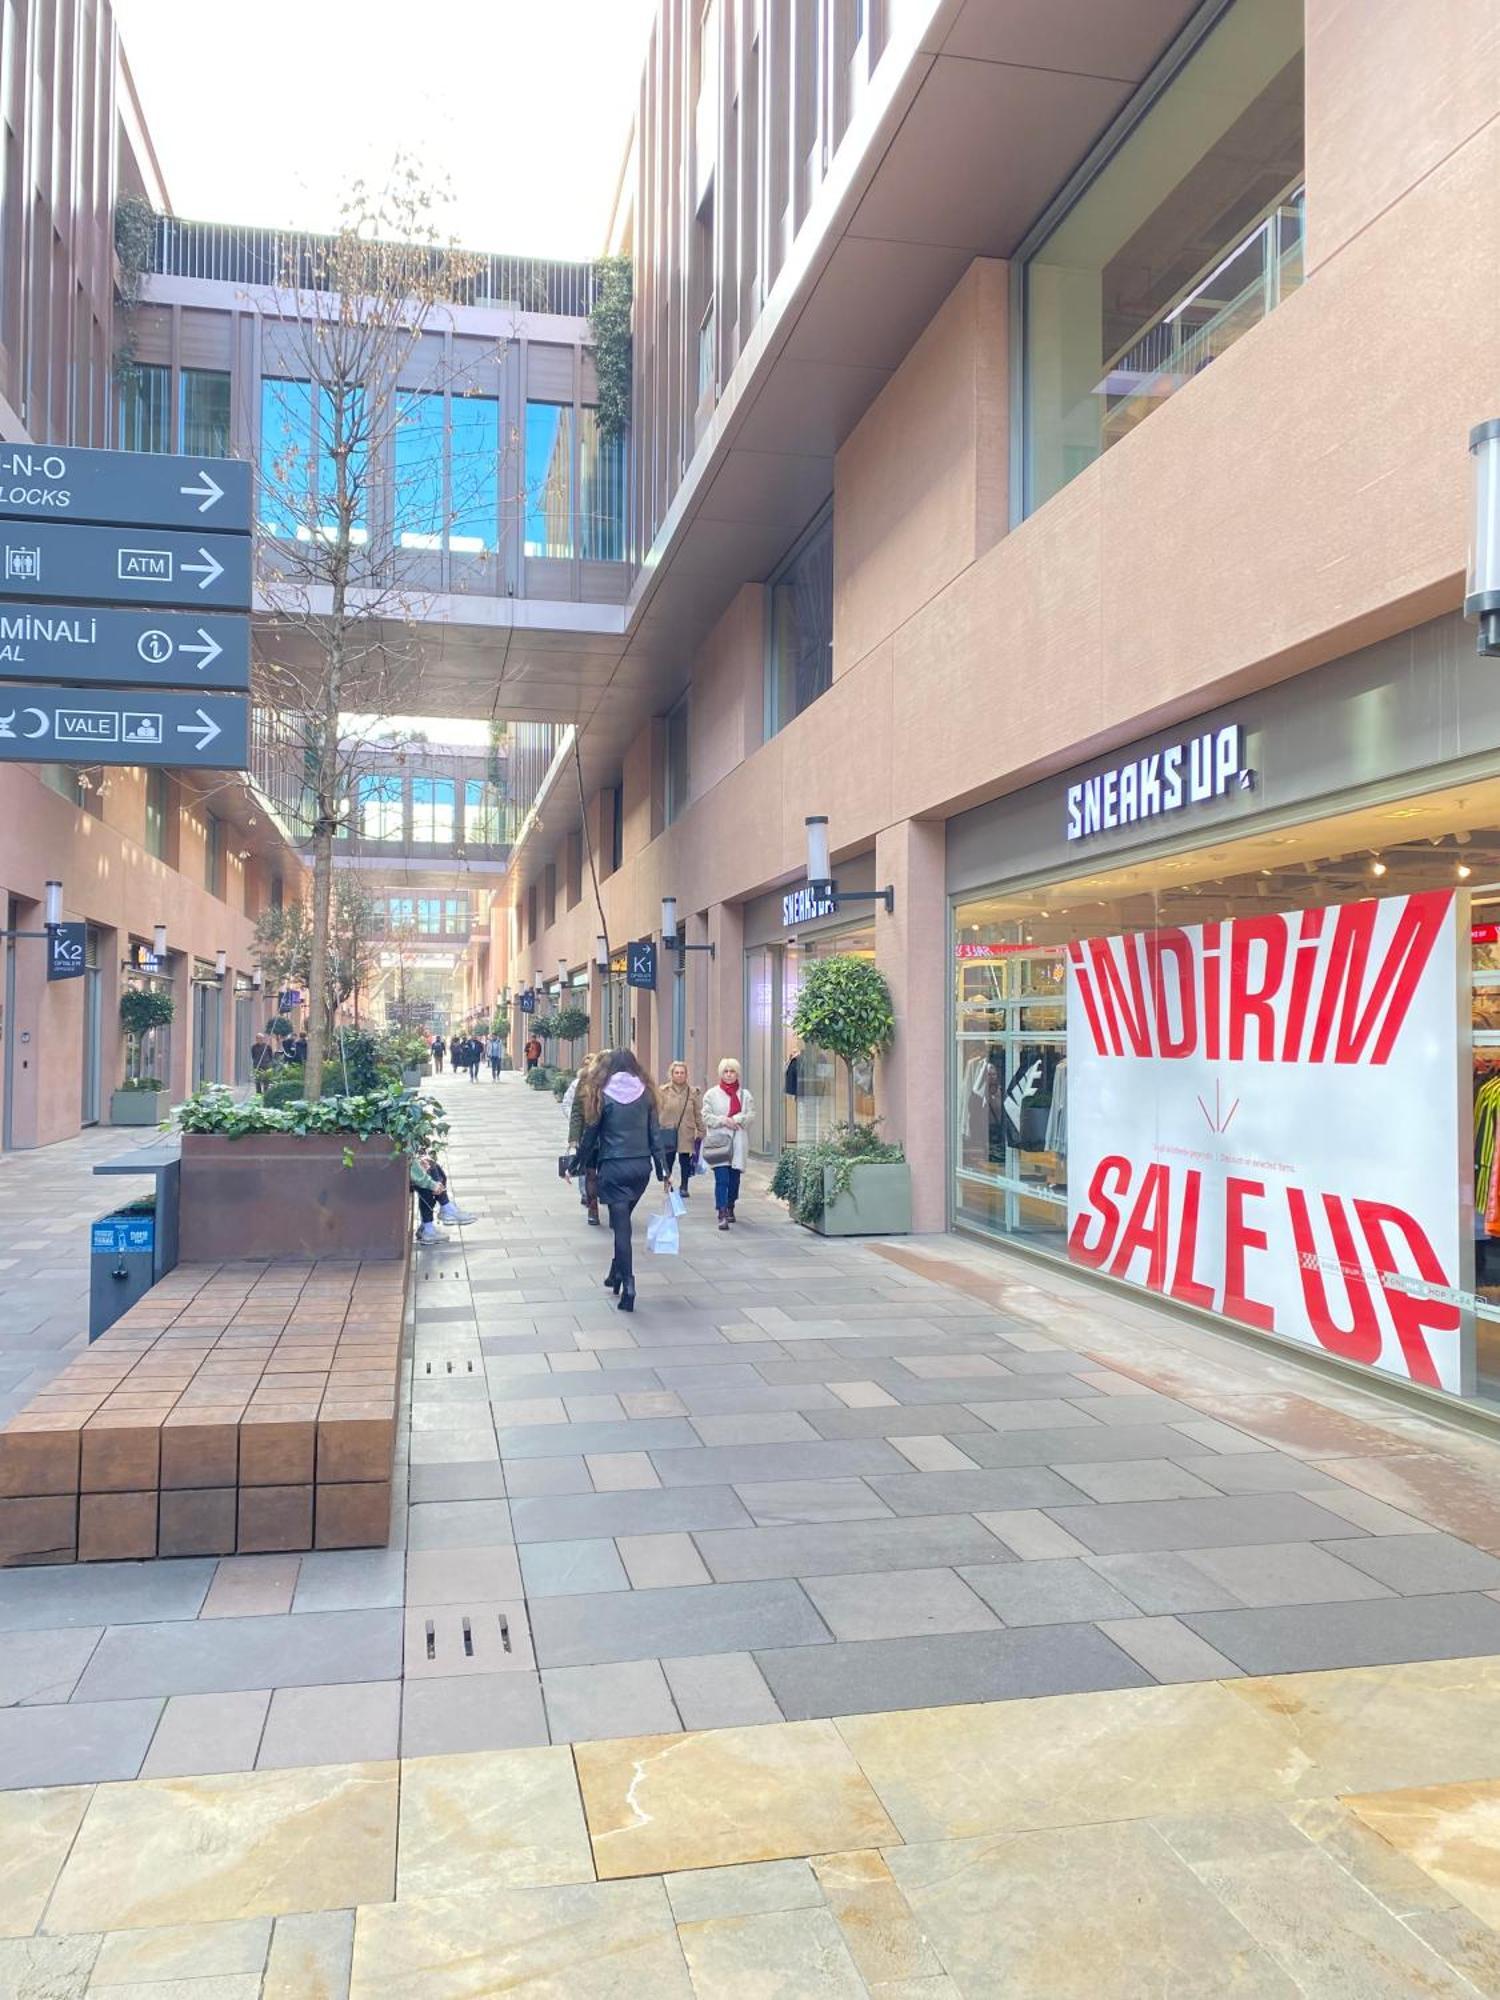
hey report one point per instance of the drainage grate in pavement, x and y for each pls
(447, 1639)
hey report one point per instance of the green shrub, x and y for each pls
(414, 1125)
(560, 1084)
(143, 1083)
(569, 1023)
(355, 1064)
(279, 1027)
(845, 1007)
(798, 1177)
(286, 1086)
(142, 1008)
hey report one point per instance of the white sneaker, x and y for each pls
(428, 1233)
(451, 1212)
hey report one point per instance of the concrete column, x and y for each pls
(725, 1016)
(911, 949)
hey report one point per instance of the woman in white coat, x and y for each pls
(727, 1105)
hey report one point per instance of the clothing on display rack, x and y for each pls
(1486, 1151)
(1057, 1117)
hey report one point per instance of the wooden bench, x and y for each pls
(236, 1408)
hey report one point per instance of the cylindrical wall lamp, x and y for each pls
(1482, 597)
(669, 920)
(159, 941)
(52, 905)
(819, 868)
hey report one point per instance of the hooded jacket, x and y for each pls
(626, 1128)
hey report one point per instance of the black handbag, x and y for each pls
(566, 1164)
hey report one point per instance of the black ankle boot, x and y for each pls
(612, 1282)
(626, 1300)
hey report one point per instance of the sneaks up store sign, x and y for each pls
(1264, 1123)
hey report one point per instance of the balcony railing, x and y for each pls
(223, 253)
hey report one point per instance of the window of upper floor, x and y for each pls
(203, 411)
(447, 472)
(147, 421)
(305, 430)
(434, 805)
(549, 480)
(145, 406)
(799, 626)
(379, 806)
(158, 807)
(1177, 236)
(484, 812)
(616, 828)
(676, 774)
(213, 854)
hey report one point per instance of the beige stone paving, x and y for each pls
(1329, 1835)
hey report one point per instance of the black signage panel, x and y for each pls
(47, 725)
(70, 642)
(57, 483)
(54, 561)
(528, 1003)
(640, 964)
(67, 949)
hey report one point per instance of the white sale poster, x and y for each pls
(1264, 1122)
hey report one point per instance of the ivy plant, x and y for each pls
(414, 1125)
(609, 329)
(802, 1178)
(845, 1007)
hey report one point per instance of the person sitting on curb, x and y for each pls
(435, 1197)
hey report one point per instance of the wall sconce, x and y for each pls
(562, 972)
(257, 980)
(674, 940)
(221, 963)
(52, 905)
(1482, 597)
(820, 883)
(159, 941)
(601, 953)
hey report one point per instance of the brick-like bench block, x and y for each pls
(246, 1407)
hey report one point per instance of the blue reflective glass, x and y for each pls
(475, 507)
(379, 807)
(285, 462)
(342, 422)
(419, 470)
(433, 804)
(549, 482)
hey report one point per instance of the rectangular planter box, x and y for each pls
(877, 1202)
(275, 1194)
(138, 1107)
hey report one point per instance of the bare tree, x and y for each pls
(285, 954)
(358, 322)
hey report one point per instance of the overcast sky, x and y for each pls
(263, 111)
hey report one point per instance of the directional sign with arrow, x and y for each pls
(55, 560)
(56, 483)
(87, 643)
(123, 726)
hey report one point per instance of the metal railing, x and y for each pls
(224, 253)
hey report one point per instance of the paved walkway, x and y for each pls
(804, 1481)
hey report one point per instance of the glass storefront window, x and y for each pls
(1262, 1079)
(1185, 239)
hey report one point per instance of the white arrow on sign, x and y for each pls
(207, 493)
(205, 729)
(210, 569)
(210, 649)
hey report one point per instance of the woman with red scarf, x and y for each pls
(728, 1105)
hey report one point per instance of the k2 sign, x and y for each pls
(1263, 1121)
(67, 951)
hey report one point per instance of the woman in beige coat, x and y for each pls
(679, 1111)
(729, 1104)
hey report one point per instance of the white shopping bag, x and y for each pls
(675, 1202)
(661, 1230)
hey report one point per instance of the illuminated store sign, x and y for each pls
(1191, 773)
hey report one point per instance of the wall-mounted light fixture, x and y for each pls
(221, 963)
(674, 940)
(562, 971)
(1482, 597)
(821, 886)
(52, 905)
(257, 980)
(159, 941)
(601, 952)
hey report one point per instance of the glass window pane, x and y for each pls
(342, 429)
(549, 481)
(419, 470)
(473, 527)
(433, 808)
(483, 813)
(1183, 241)
(802, 628)
(601, 494)
(205, 411)
(285, 455)
(146, 407)
(379, 807)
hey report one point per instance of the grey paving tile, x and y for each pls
(899, 1604)
(720, 1691)
(1264, 1472)
(730, 1465)
(1200, 1524)
(630, 1699)
(1043, 1413)
(879, 1674)
(656, 1562)
(1030, 1535)
(1285, 1573)
(1098, 1443)
(578, 1516)
(33, 1600)
(921, 1541)
(477, 1479)
(1168, 1650)
(82, 1742)
(1057, 1592)
(1378, 1632)
(331, 1725)
(457, 1524)
(444, 1717)
(528, 1477)
(1138, 1479)
(348, 1580)
(1163, 1581)
(621, 1471)
(765, 1427)
(251, 1586)
(982, 1390)
(573, 1440)
(200, 1733)
(1148, 1408)
(1423, 1565)
(784, 1502)
(463, 1576)
(650, 1624)
(744, 1399)
(901, 1420)
(1208, 1434)
(968, 1492)
(933, 1454)
(300, 1649)
(571, 1569)
(44, 1666)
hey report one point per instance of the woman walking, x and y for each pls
(572, 1104)
(680, 1110)
(623, 1141)
(728, 1106)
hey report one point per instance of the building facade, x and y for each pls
(1050, 465)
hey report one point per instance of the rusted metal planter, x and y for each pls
(278, 1194)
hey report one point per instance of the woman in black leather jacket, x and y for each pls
(624, 1144)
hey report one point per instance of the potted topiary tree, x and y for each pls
(851, 1182)
(142, 1098)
